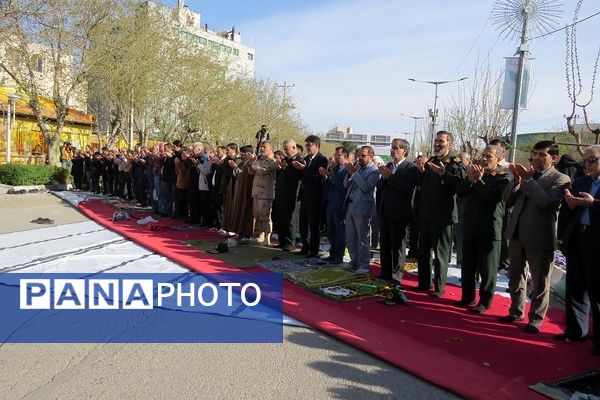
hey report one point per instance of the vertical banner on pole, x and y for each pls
(511, 72)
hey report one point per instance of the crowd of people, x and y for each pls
(507, 215)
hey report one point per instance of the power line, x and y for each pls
(474, 43)
(565, 27)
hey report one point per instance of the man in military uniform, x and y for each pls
(439, 177)
(482, 227)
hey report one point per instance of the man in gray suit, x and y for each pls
(360, 200)
(535, 193)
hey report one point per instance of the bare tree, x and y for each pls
(475, 116)
(575, 85)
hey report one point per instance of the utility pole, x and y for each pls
(434, 113)
(414, 143)
(285, 87)
(522, 49)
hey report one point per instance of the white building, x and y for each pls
(39, 71)
(345, 134)
(228, 45)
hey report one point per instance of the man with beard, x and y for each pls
(227, 190)
(243, 221)
(286, 189)
(481, 192)
(263, 192)
(439, 177)
(535, 195)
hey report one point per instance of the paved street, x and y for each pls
(307, 365)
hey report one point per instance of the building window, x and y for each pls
(250, 56)
(236, 52)
(202, 41)
(225, 49)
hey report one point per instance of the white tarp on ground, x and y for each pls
(82, 247)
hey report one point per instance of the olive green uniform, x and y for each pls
(482, 235)
(437, 214)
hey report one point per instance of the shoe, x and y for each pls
(464, 303)
(393, 282)
(509, 319)
(563, 337)
(288, 249)
(302, 252)
(479, 308)
(362, 271)
(436, 294)
(531, 329)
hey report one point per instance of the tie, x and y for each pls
(536, 175)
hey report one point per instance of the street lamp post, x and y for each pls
(10, 122)
(433, 113)
(414, 143)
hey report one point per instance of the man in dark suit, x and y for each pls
(311, 197)
(481, 192)
(535, 195)
(335, 192)
(438, 179)
(397, 184)
(286, 189)
(579, 228)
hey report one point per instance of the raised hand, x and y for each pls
(438, 169)
(583, 200)
(298, 165)
(385, 172)
(475, 173)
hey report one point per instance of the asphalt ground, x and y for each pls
(307, 365)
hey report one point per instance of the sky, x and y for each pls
(351, 60)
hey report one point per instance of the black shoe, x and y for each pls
(464, 303)
(563, 337)
(531, 329)
(509, 319)
(479, 308)
(436, 294)
(392, 281)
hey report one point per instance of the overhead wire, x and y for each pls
(565, 27)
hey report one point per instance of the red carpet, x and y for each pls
(472, 355)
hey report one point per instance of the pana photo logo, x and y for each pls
(133, 294)
(141, 308)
